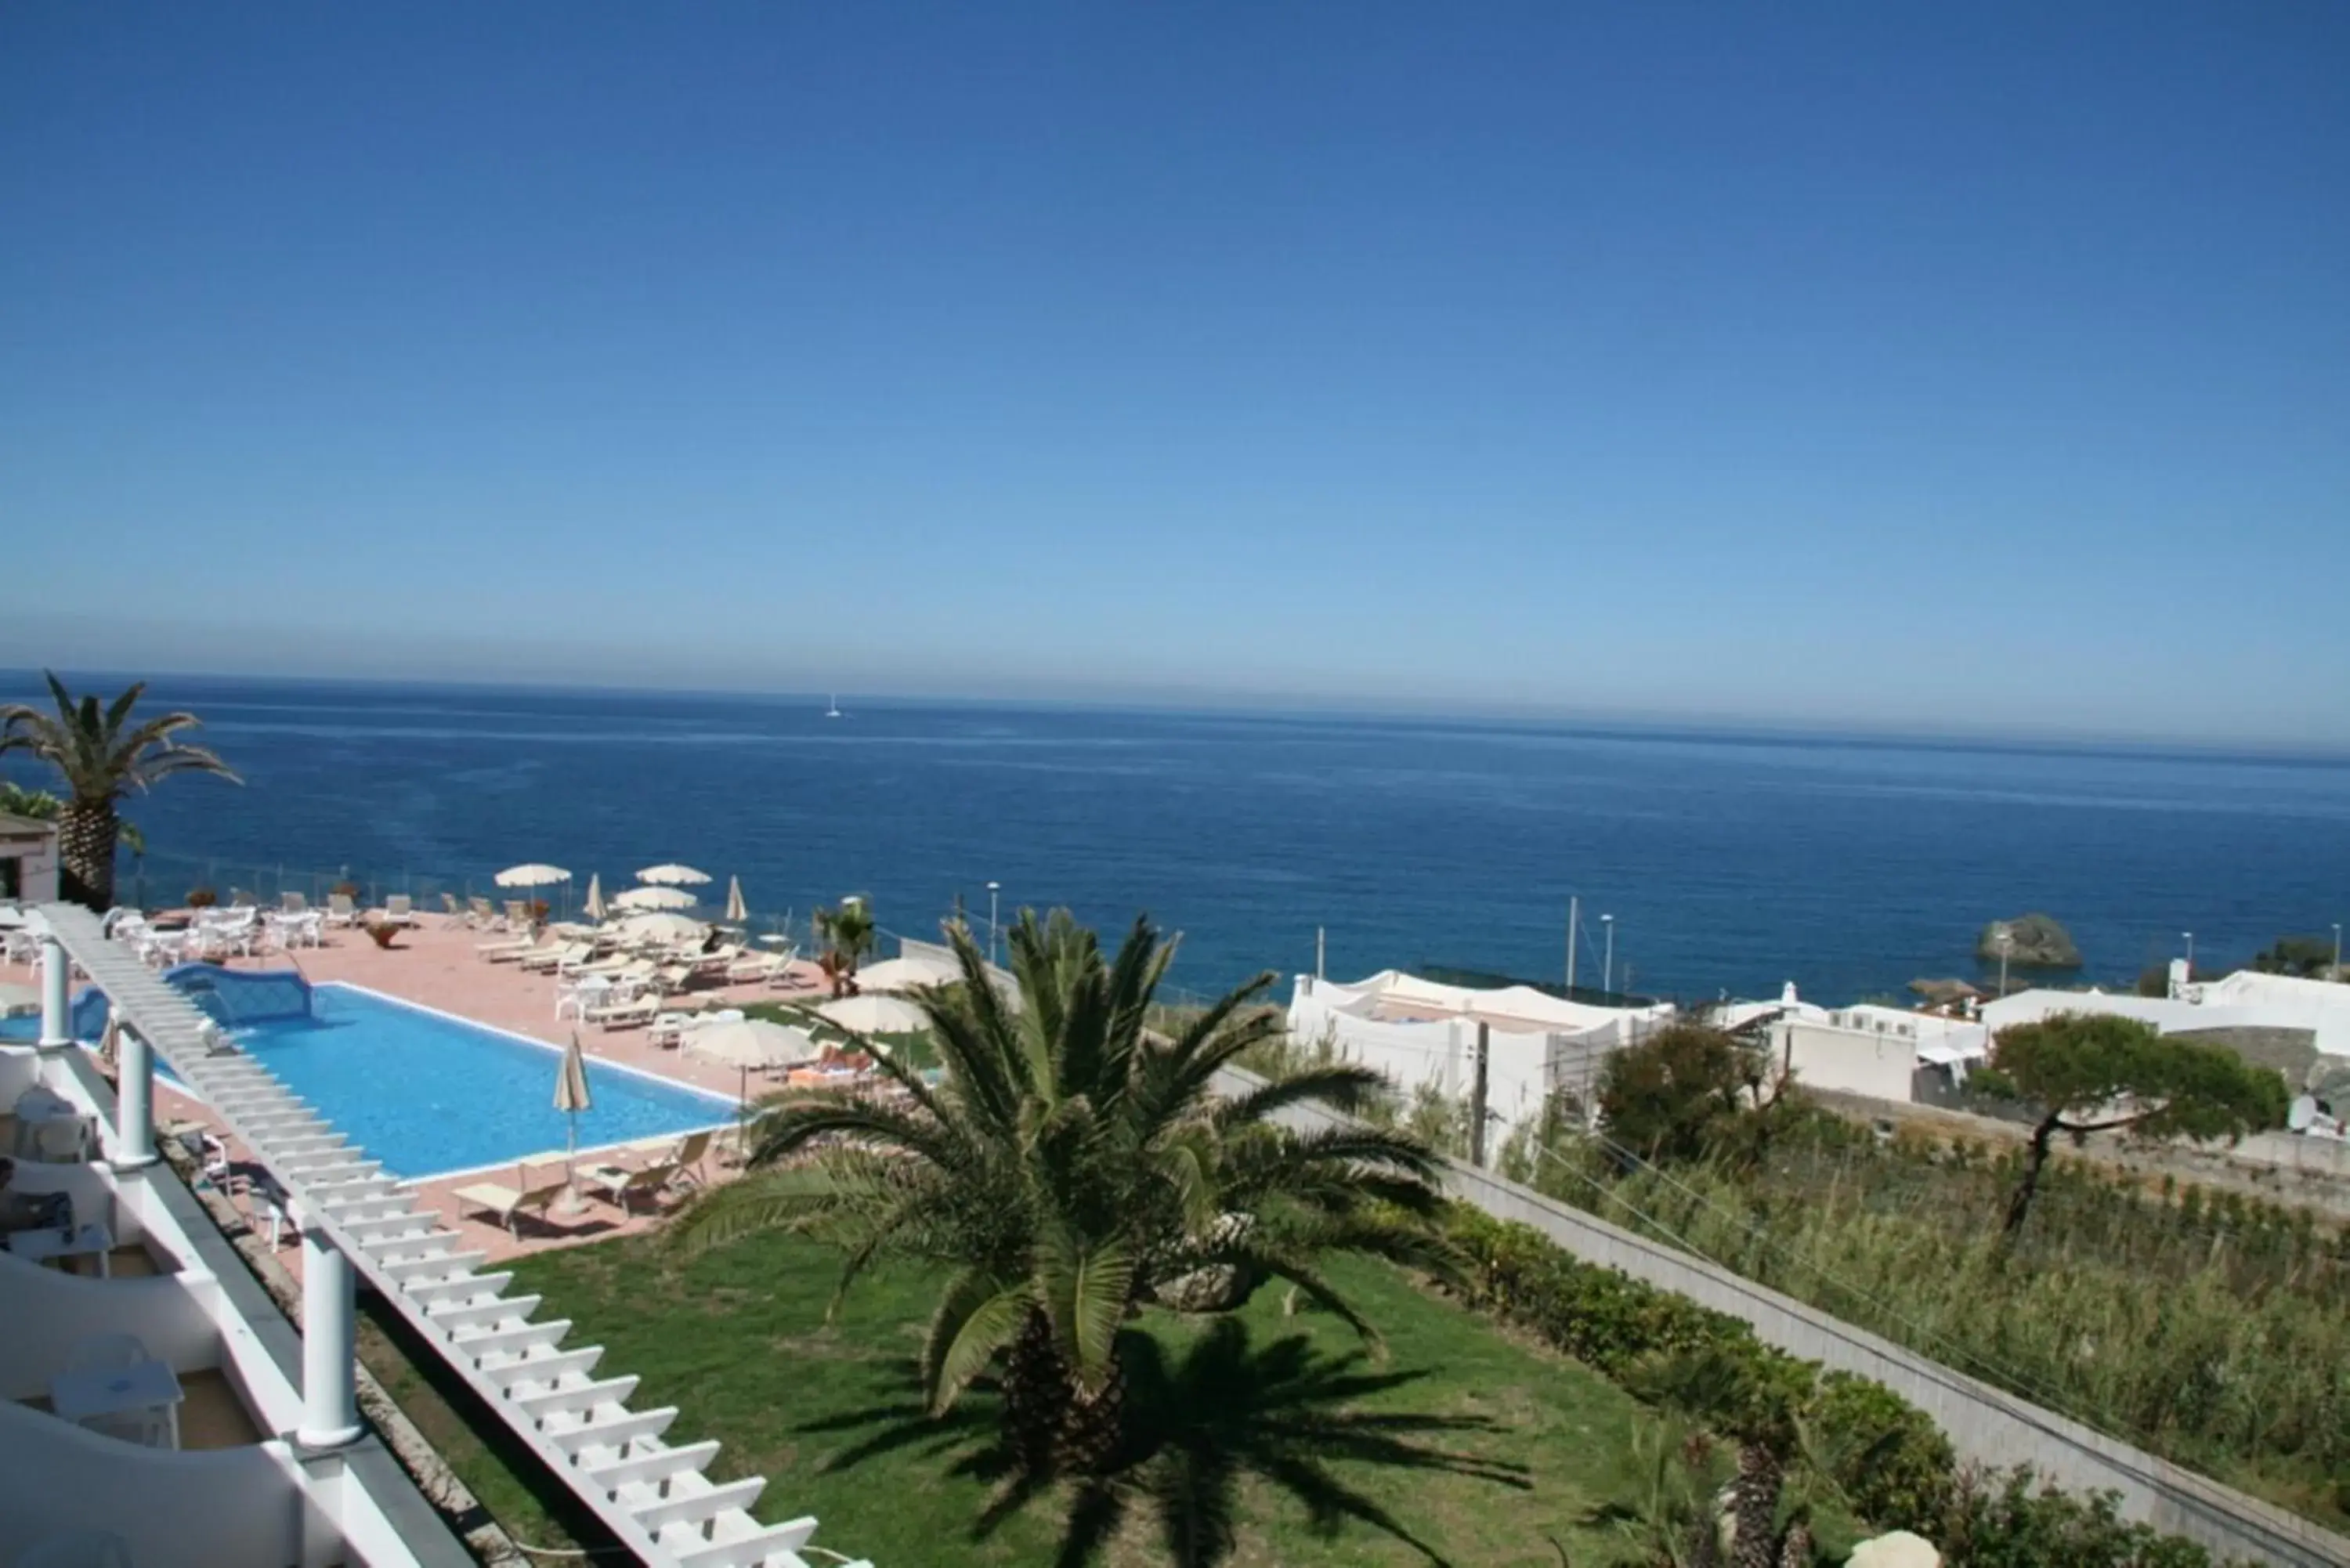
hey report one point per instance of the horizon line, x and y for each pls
(1209, 702)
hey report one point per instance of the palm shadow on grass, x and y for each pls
(1197, 1422)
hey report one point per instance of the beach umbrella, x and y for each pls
(673, 876)
(654, 898)
(532, 874)
(875, 1014)
(752, 1042)
(571, 1097)
(662, 928)
(594, 908)
(737, 913)
(907, 974)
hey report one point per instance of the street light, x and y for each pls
(2190, 953)
(2337, 950)
(992, 889)
(2006, 938)
(1608, 964)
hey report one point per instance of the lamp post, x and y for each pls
(1608, 963)
(2190, 953)
(2337, 950)
(992, 888)
(2006, 939)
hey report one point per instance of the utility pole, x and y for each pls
(2190, 953)
(2337, 948)
(1477, 1098)
(1321, 951)
(1607, 967)
(1573, 910)
(992, 889)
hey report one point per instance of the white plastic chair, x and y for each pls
(107, 1353)
(158, 1426)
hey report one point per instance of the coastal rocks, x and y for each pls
(1943, 993)
(1899, 1550)
(2034, 941)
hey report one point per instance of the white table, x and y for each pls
(34, 1122)
(90, 1241)
(80, 1397)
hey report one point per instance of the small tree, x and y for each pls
(2308, 957)
(2102, 1072)
(1681, 1094)
(847, 932)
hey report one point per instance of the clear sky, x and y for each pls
(1979, 364)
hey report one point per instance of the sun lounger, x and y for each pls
(518, 915)
(508, 1204)
(758, 969)
(553, 956)
(342, 910)
(291, 904)
(620, 1184)
(504, 949)
(624, 1012)
(479, 915)
(400, 909)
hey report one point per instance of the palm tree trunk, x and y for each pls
(1036, 1394)
(1796, 1551)
(1092, 1426)
(86, 831)
(1756, 1505)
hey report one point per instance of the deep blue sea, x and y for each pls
(1729, 862)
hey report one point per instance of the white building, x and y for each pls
(1875, 1051)
(2240, 1000)
(28, 859)
(1420, 1033)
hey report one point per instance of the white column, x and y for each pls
(135, 1104)
(330, 1406)
(57, 985)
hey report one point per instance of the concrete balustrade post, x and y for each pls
(134, 1102)
(57, 991)
(330, 1405)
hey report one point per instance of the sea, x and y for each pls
(1730, 863)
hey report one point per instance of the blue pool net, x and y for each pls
(235, 998)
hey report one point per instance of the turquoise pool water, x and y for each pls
(428, 1095)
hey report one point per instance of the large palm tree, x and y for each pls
(1073, 1167)
(100, 756)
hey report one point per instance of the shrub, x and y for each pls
(1998, 1520)
(202, 897)
(383, 931)
(348, 889)
(1887, 1456)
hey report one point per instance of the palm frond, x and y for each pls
(975, 1318)
(1343, 1085)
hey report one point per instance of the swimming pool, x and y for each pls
(428, 1093)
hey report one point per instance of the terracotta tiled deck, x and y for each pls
(434, 963)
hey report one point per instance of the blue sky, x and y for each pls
(1986, 365)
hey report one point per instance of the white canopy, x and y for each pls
(532, 875)
(654, 898)
(752, 1043)
(673, 874)
(875, 1014)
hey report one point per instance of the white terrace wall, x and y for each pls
(1441, 1052)
(1983, 1423)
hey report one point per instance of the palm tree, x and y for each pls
(848, 933)
(100, 758)
(1757, 1403)
(1073, 1167)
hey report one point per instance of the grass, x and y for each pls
(737, 1340)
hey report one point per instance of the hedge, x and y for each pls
(1893, 1465)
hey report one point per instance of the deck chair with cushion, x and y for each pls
(625, 1012)
(400, 909)
(508, 1204)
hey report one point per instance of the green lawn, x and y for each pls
(737, 1340)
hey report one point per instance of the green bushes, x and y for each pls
(1881, 1454)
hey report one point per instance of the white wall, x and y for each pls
(1873, 1062)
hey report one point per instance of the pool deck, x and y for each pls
(433, 964)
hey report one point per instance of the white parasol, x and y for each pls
(673, 876)
(654, 898)
(907, 974)
(662, 928)
(571, 1097)
(532, 875)
(875, 1014)
(752, 1042)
